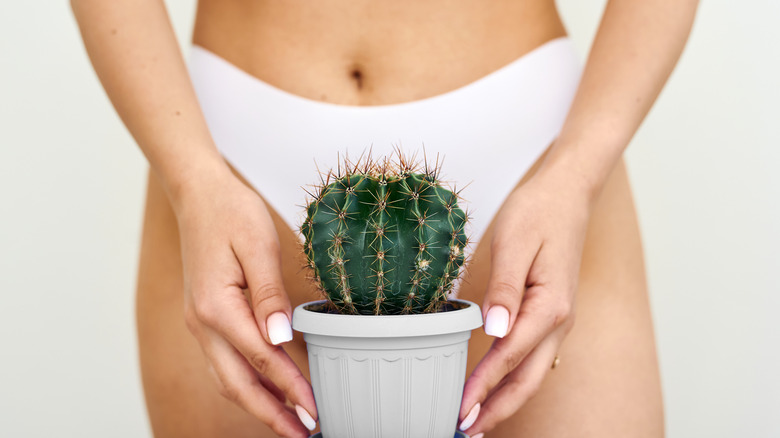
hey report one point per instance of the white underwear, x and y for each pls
(489, 131)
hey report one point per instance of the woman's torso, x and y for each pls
(370, 52)
(402, 51)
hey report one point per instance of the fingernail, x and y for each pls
(279, 329)
(470, 418)
(497, 321)
(479, 435)
(306, 419)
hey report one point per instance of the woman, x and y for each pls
(270, 73)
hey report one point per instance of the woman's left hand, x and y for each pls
(536, 250)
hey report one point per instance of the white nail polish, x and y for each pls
(306, 419)
(470, 418)
(497, 321)
(279, 329)
(479, 435)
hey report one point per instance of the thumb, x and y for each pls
(261, 263)
(510, 262)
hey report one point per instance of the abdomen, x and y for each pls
(372, 52)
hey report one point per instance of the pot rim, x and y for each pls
(386, 326)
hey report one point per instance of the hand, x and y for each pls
(536, 251)
(229, 244)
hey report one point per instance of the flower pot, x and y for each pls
(388, 376)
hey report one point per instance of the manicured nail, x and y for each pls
(497, 321)
(306, 419)
(470, 418)
(279, 329)
(479, 435)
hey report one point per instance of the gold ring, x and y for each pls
(555, 363)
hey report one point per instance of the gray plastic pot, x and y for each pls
(387, 376)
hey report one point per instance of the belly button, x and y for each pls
(357, 75)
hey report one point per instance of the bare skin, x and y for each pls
(216, 261)
(369, 53)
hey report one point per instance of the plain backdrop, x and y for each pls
(704, 167)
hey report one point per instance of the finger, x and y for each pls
(268, 384)
(510, 262)
(237, 382)
(535, 321)
(260, 259)
(232, 318)
(521, 384)
(271, 387)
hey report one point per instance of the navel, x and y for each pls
(357, 75)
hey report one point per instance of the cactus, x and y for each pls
(384, 238)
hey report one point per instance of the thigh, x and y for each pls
(181, 395)
(607, 383)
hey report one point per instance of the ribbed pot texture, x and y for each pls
(388, 376)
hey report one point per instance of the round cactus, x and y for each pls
(384, 238)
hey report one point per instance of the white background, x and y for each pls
(704, 169)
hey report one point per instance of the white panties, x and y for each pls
(489, 131)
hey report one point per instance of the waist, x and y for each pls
(373, 52)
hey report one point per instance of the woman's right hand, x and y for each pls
(227, 237)
(228, 244)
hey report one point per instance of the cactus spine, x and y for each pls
(384, 238)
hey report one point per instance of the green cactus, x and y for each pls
(384, 238)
